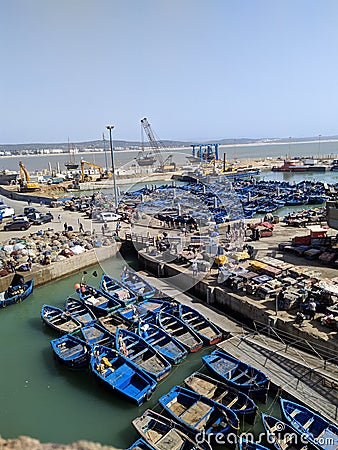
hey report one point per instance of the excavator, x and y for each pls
(26, 185)
(84, 177)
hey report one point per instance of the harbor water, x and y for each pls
(42, 399)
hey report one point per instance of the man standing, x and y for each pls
(312, 308)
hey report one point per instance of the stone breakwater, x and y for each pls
(27, 443)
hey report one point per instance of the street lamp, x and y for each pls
(319, 136)
(110, 128)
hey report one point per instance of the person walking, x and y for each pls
(81, 229)
(194, 269)
(312, 309)
(65, 226)
(59, 218)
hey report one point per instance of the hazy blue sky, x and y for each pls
(197, 69)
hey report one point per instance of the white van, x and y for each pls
(108, 217)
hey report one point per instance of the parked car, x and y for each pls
(17, 225)
(38, 219)
(108, 217)
(30, 210)
(6, 211)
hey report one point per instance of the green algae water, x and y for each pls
(42, 399)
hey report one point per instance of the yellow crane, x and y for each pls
(26, 185)
(85, 177)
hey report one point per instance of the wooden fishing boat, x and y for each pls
(71, 351)
(165, 344)
(204, 328)
(17, 291)
(118, 290)
(101, 304)
(238, 374)
(317, 430)
(80, 311)
(200, 414)
(122, 375)
(180, 331)
(95, 334)
(59, 320)
(142, 354)
(140, 444)
(138, 285)
(163, 433)
(219, 392)
(112, 322)
(281, 435)
(148, 308)
(243, 444)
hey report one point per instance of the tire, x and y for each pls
(23, 228)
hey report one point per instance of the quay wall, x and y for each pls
(233, 304)
(61, 269)
(34, 198)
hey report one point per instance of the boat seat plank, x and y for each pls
(197, 414)
(308, 423)
(170, 441)
(232, 403)
(294, 413)
(138, 354)
(240, 375)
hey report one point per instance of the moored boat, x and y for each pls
(281, 435)
(80, 311)
(138, 285)
(180, 331)
(220, 392)
(147, 308)
(201, 415)
(116, 289)
(71, 351)
(142, 354)
(314, 427)
(59, 320)
(204, 328)
(122, 375)
(95, 334)
(163, 433)
(17, 291)
(100, 303)
(165, 344)
(112, 322)
(238, 374)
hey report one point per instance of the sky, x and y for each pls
(197, 69)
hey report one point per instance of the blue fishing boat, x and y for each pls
(204, 328)
(180, 331)
(122, 375)
(138, 285)
(71, 351)
(101, 304)
(222, 393)
(238, 374)
(59, 320)
(80, 311)
(243, 444)
(163, 433)
(112, 322)
(142, 354)
(95, 334)
(148, 308)
(17, 291)
(281, 435)
(140, 444)
(317, 430)
(117, 290)
(199, 414)
(165, 344)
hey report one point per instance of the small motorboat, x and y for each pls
(281, 435)
(163, 433)
(17, 291)
(71, 351)
(122, 375)
(138, 285)
(219, 392)
(165, 344)
(59, 320)
(238, 374)
(100, 303)
(136, 349)
(118, 290)
(180, 331)
(200, 414)
(204, 328)
(95, 334)
(317, 430)
(80, 311)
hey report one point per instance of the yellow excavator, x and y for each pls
(85, 177)
(26, 185)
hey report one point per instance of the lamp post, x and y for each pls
(319, 136)
(110, 128)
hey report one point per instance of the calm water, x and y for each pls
(42, 399)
